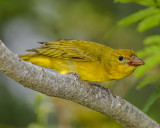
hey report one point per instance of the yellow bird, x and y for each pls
(92, 61)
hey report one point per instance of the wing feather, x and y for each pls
(77, 50)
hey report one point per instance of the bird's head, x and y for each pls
(124, 62)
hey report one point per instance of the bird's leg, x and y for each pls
(106, 89)
(74, 74)
(99, 86)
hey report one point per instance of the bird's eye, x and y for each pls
(120, 58)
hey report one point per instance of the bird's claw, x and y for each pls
(106, 89)
(74, 74)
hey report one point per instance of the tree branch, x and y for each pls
(72, 88)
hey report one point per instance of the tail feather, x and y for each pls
(41, 42)
(27, 56)
(37, 59)
(33, 50)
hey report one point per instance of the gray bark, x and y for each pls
(72, 88)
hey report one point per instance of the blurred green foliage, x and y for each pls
(85, 20)
(141, 2)
(43, 106)
(146, 19)
(140, 15)
(13, 112)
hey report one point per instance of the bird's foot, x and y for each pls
(74, 74)
(106, 89)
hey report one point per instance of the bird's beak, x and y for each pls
(136, 62)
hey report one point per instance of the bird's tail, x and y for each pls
(37, 59)
(27, 57)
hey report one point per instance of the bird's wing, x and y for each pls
(72, 49)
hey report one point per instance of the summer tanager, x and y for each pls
(92, 61)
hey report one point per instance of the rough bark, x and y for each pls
(72, 88)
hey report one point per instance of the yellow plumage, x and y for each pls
(92, 61)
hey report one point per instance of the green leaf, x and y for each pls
(151, 50)
(149, 64)
(110, 32)
(37, 125)
(133, 18)
(138, 16)
(152, 99)
(147, 81)
(152, 40)
(148, 23)
(141, 2)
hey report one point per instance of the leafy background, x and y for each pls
(128, 24)
(147, 19)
